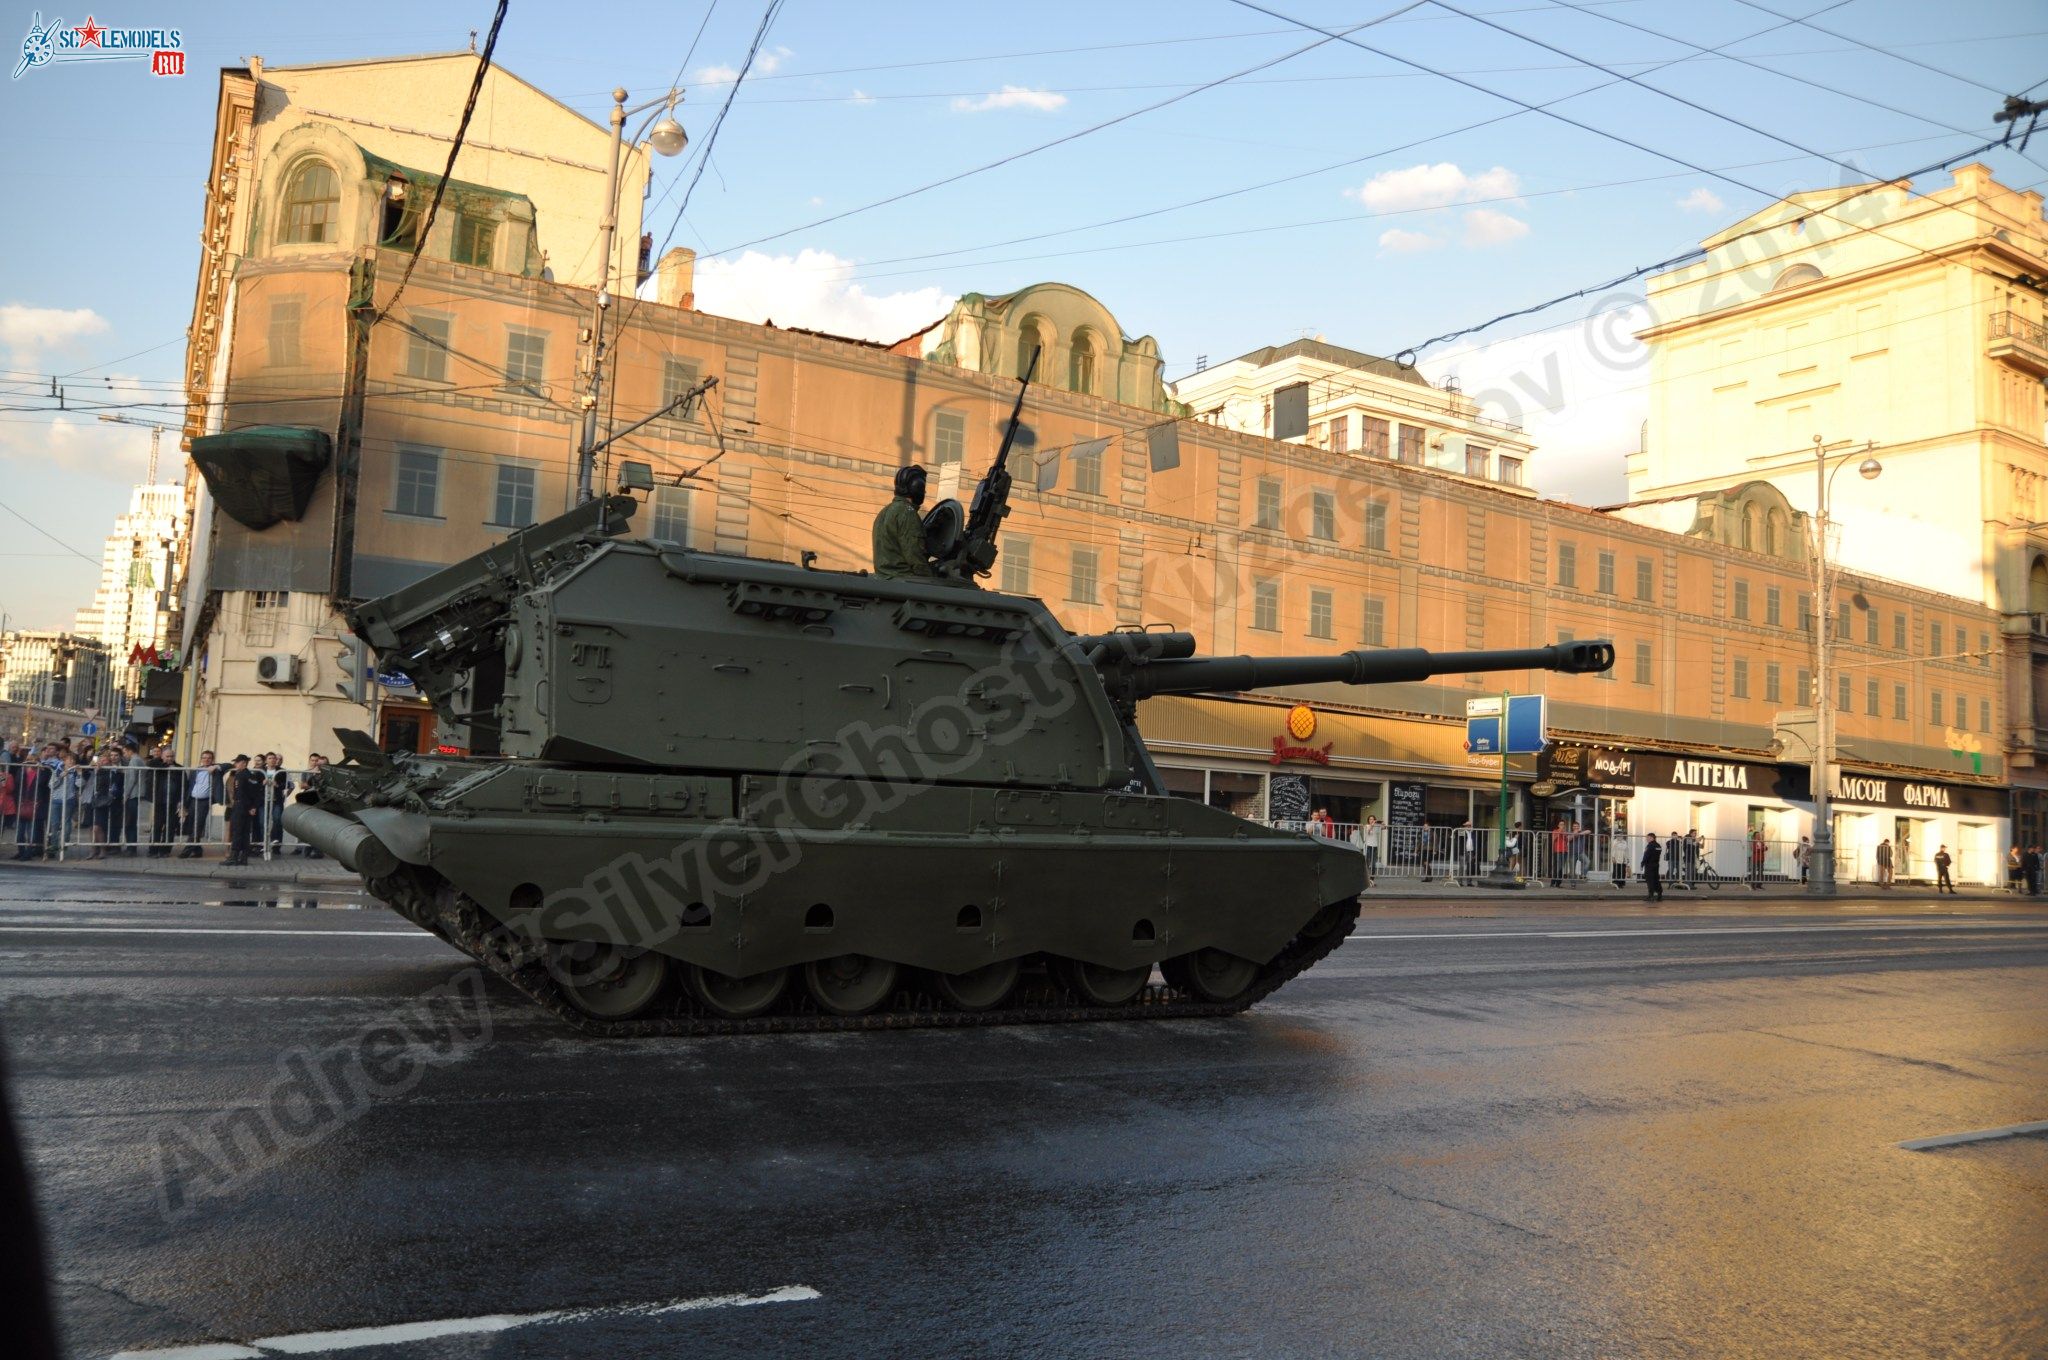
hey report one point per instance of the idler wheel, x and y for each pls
(850, 984)
(1211, 974)
(977, 989)
(1100, 986)
(737, 998)
(609, 981)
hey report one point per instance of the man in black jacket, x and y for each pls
(1653, 869)
(245, 809)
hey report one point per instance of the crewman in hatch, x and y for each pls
(899, 530)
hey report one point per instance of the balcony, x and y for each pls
(2021, 342)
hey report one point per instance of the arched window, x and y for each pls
(1030, 335)
(312, 204)
(1082, 362)
(1794, 276)
(1752, 525)
(1774, 533)
(2037, 588)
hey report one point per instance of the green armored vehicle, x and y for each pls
(715, 794)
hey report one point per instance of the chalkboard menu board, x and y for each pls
(1404, 803)
(1287, 797)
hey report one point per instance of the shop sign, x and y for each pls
(1708, 775)
(1589, 767)
(1918, 795)
(1301, 725)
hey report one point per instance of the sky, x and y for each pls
(1221, 175)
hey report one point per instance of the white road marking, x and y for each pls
(6, 929)
(1681, 930)
(1976, 1136)
(355, 1338)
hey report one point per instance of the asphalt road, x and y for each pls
(1501, 1130)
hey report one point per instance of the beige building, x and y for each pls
(1909, 324)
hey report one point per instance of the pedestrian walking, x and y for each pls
(1653, 869)
(1757, 852)
(1941, 879)
(1884, 863)
(2015, 869)
(1467, 848)
(1802, 855)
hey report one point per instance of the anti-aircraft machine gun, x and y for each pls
(716, 794)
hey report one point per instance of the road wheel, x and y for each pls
(737, 998)
(609, 981)
(1211, 974)
(1100, 986)
(850, 984)
(977, 989)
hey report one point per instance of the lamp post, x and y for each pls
(1820, 879)
(667, 137)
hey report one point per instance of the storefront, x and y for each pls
(1270, 760)
(1919, 817)
(1592, 790)
(1726, 803)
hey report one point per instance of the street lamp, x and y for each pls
(667, 137)
(1820, 880)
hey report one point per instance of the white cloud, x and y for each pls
(716, 75)
(1491, 227)
(1702, 200)
(1012, 97)
(1580, 392)
(25, 332)
(77, 443)
(817, 201)
(1398, 242)
(813, 289)
(861, 97)
(1433, 186)
(765, 64)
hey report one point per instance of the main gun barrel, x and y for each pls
(1373, 666)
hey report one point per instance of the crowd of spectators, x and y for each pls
(117, 799)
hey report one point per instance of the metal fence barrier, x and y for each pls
(99, 812)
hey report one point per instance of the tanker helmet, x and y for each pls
(910, 483)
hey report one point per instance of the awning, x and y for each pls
(262, 474)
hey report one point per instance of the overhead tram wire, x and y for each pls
(476, 85)
(1870, 47)
(1062, 140)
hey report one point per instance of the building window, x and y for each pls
(1742, 677)
(1805, 688)
(1375, 621)
(426, 348)
(1984, 651)
(512, 507)
(1899, 630)
(1411, 444)
(526, 357)
(1476, 459)
(1376, 525)
(1340, 434)
(1029, 342)
(269, 599)
(1899, 702)
(677, 377)
(1510, 471)
(1322, 516)
(284, 333)
(1774, 606)
(1266, 511)
(1081, 364)
(1870, 626)
(475, 238)
(312, 205)
(1088, 472)
(1568, 565)
(1773, 689)
(1081, 580)
(671, 515)
(1646, 578)
(1984, 715)
(1017, 566)
(1962, 711)
(1372, 436)
(1266, 606)
(1845, 701)
(1933, 638)
(1805, 612)
(1936, 714)
(949, 437)
(1605, 569)
(1643, 663)
(1742, 600)
(417, 487)
(1321, 615)
(1870, 688)
(1842, 630)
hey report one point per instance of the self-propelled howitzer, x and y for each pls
(708, 793)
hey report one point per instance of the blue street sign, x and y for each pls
(1482, 735)
(91, 729)
(1525, 728)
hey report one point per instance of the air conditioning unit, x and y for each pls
(278, 668)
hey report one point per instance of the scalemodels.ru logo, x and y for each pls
(57, 41)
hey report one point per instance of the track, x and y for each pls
(426, 900)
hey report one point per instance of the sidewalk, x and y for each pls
(1604, 890)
